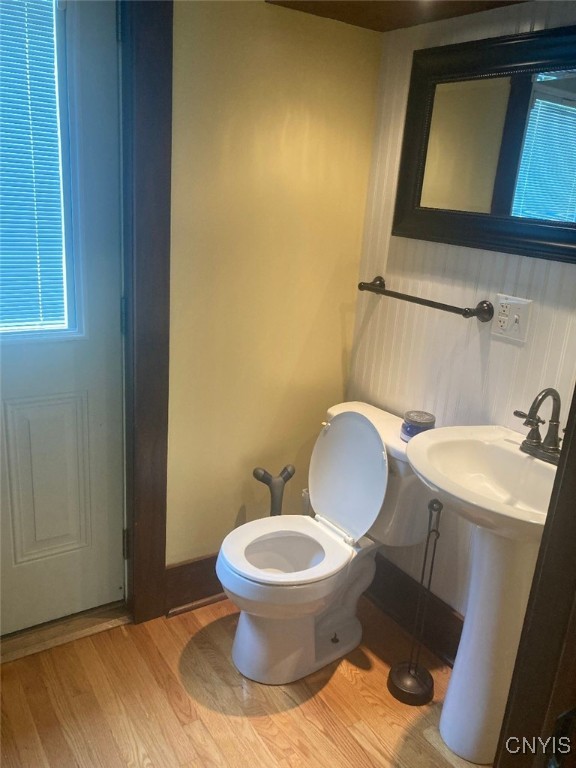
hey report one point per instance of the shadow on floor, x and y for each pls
(210, 677)
(422, 739)
(387, 640)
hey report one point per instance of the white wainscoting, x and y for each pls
(406, 356)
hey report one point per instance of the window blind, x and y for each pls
(32, 243)
(546, 184)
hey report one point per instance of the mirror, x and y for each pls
(489, 153)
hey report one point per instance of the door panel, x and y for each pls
(48, 454)
(62, 409)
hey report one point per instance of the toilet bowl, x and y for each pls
(297, 579)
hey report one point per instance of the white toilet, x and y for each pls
(297, 579)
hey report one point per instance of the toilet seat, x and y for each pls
(273, 549)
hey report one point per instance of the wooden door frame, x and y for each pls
(147, 109)
(146, 39)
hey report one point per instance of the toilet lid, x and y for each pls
(349, 473)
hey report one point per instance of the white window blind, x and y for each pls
(34, 270)
(546, 183)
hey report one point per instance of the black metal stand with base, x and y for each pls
(409, 682)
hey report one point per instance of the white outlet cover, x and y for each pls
(511, 318)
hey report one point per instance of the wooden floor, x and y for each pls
(165, 694)
(61, 631)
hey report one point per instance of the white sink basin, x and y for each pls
(481, 472)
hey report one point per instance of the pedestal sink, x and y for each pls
(482, 475)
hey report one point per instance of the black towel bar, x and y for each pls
(484, 310)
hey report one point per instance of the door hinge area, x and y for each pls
(126, 548)
(123, 315)
(118, 23)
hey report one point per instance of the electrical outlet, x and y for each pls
(511, 318)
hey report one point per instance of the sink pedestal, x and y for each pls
(502, 572)
(481, 473)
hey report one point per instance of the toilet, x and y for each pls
(297, 579)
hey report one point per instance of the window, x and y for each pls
(36, 268)
(546, 184)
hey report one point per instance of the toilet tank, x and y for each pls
(403, 519)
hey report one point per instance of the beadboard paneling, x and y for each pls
(407, 356)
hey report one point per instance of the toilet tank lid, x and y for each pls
(387, 424)
(349, 473)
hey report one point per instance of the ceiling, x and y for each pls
(385, 15)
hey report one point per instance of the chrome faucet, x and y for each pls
(549, 448)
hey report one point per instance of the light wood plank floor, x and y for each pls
(61, 631)
(165, 695)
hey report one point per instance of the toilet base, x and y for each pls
(278, 651)
(275, 651)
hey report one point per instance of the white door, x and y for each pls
(62, 403)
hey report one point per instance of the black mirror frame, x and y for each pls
(552, 49)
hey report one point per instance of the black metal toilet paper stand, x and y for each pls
(408, 681)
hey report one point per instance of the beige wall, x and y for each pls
(272, 136)
(464, 144)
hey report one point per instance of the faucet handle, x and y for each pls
(528, 421)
